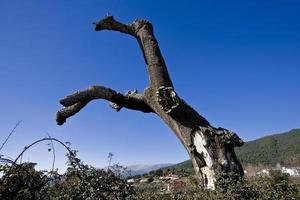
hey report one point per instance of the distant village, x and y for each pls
(258, 171)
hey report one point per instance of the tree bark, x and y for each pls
(210, 149)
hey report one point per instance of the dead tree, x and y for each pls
(210, 149)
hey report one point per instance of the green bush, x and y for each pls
(276, 186)
(79, 182)
(22, 182)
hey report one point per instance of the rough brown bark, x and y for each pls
(210, 149)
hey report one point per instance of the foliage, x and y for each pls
(79, 182)
(22, 182)
(86, 182)
(276, 186)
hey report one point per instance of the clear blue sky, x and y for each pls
(236, 62)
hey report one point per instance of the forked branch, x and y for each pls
(142, 30)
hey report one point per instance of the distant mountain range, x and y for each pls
(283, 148)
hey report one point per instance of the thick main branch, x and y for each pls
(75, 102)
(142, 30)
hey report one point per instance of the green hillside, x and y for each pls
(281, 148)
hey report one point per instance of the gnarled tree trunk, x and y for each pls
(210, 149)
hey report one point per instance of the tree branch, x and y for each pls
(142, 30)
(75, 102)
(109, 23)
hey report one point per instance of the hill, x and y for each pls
(283, 148)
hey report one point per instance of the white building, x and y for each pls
(291, 171)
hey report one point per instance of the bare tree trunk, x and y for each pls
(210, 149)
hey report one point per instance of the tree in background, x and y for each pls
(210, 149)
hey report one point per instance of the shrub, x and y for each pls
(79, 182)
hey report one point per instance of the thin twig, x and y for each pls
(53, 152)
(21, 159)
(11, 132)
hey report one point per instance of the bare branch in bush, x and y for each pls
(9, 135)
(38, 141)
